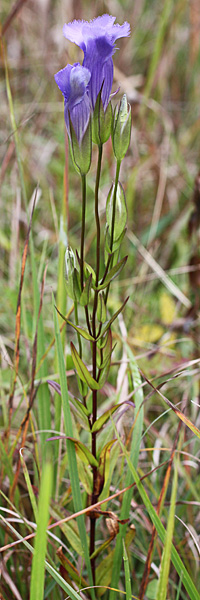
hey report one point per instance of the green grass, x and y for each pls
(156, 338)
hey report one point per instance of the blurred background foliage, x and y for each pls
(159, 69)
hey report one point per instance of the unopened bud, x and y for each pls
(71, 275)
(121, 132)
(101, 122)
(81, 151)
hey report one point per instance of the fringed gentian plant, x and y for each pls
(89, 118)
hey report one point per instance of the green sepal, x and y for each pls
(101, 122)
(114, 272)
(85, 296)
(101, 308)
(121, 128)
(79, 330)
(82, 370)
(113, 319)
(81, 153)
(120, 210)
(83, 452)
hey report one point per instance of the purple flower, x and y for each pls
(97, 40)
(73, 82)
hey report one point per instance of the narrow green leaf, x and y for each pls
(80, 407)
(166, 556)
(104, 418)
(53, 572)
(70, 530)
(73, 470)
(114, 272)
(38, 565)
(135, 448)
(85, 296)
(84, 453)
(105, 366)
(79, 330)
(104, 459)
(103, 450)
(70, 568)
(177, 562)
(90, 270)
(29, 486)
(85, 476)
(82, 370)
(101, 308)
(127, 574)
(113, 319)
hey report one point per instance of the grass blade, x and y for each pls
(38, 565)
(73, 470)
(164, 23)
(43, 392)
(177, 562)
(134, 454)
(127, 574)
(56, 576)
(166, 556)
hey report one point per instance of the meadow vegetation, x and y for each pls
(146, 512)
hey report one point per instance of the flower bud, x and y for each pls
(101, 122)
(71, 275)
(81, 151)
(121, 128)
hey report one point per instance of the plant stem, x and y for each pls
(94, 356)
(83, 180)
(76, 321)
(109, 261)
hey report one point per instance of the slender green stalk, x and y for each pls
(94, 355)
(76, 321)
(73, 469)
(83, 180)
(61, 303)
(109, 262)
(97, 214)
(134, 455)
